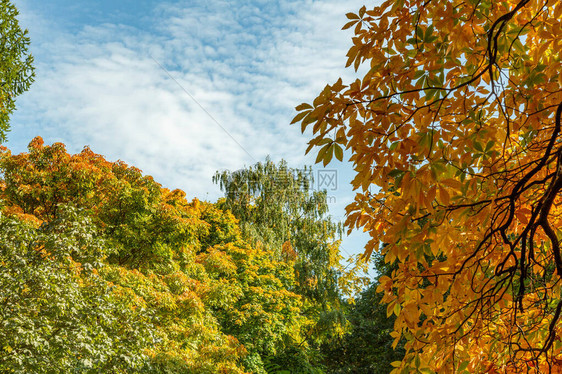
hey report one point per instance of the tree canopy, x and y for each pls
(280, 211)
(277, 206)
(366, 348)
(16, 64)
(103, 270)
(454, 132)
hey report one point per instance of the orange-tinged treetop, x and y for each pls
(454, 134)
(211, 302)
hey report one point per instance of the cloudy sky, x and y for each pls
(181, 89)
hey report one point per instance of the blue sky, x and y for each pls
(181, 89)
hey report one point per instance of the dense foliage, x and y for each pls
(366, 348)
(16, 64)
(58, 314)
(278, 209)
(105, 270)
(454, 132)
(277, 206)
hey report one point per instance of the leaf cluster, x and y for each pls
(17, 72)
(454, 134)
(105, 270)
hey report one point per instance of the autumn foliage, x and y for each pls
(454, 132)
(103, 270)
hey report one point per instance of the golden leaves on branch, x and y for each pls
(454, 132)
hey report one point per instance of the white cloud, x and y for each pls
(247, 64)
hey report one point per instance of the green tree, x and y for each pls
(278, 208)
(57, 315)
(367, 348)
(16, 64)
(250, 295)
(148, 264)
(211, 302)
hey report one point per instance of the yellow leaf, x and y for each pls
(444, 196)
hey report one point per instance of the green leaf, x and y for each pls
(463, 365)
(419, 73)
(428, 33)
(419, 33)
(338, 152)
(396, 173)
(328, 155)
(478, 146)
